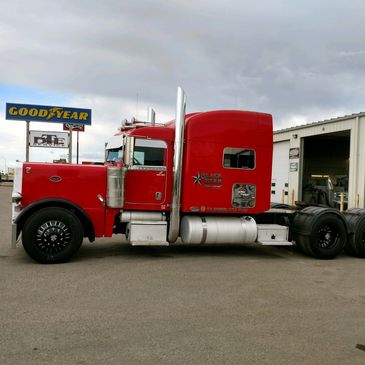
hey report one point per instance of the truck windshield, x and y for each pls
(114, 155)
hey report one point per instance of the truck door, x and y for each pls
(145, 182)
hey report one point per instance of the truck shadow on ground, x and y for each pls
(104, 250)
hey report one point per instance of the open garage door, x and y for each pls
(326, 168)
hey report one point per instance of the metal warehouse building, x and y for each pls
(316, 162)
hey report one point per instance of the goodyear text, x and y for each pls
(43, 113)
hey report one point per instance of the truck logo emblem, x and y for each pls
(208, 179)
(198, 179)
(55, 179)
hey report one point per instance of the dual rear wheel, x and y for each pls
(320, 232)
(356, 243)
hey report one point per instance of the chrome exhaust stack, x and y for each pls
(177, 168)
(151, 116)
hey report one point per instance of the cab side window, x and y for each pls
(149, 152)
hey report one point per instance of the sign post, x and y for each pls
(78, 128)
(70, 145)
(27, 142)
(77, 149)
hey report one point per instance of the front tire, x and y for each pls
(52, 235)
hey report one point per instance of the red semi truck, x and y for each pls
(204, 178)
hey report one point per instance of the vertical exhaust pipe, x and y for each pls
(151, 116)
(177, 169)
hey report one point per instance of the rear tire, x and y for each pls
(328, 237)
(52, 235)
(356, 243)
(320, 232)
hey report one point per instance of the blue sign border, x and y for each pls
(48, 114)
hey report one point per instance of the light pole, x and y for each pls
(5, 167)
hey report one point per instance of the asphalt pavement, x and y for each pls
(117, 304)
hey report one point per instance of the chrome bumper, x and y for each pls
(13, 235)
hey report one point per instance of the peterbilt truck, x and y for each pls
(201, 179)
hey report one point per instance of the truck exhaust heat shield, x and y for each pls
(178, 155)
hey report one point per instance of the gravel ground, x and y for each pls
(117, 304)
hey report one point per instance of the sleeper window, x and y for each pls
(239, 158)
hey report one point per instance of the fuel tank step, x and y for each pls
(272, 235)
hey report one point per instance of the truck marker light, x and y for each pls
(16, 198)
(101, 199)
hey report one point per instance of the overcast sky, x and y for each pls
(301, 61)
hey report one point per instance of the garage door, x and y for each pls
(280, 172)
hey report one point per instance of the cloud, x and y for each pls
(298, 61)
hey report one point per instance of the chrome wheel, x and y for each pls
(53, 237)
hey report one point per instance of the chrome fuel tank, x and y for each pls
(200, 230)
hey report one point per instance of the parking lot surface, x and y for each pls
(117, 304)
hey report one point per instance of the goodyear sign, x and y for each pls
(50, 114)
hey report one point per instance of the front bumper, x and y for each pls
(13, 235)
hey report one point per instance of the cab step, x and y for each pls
(147, 233)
